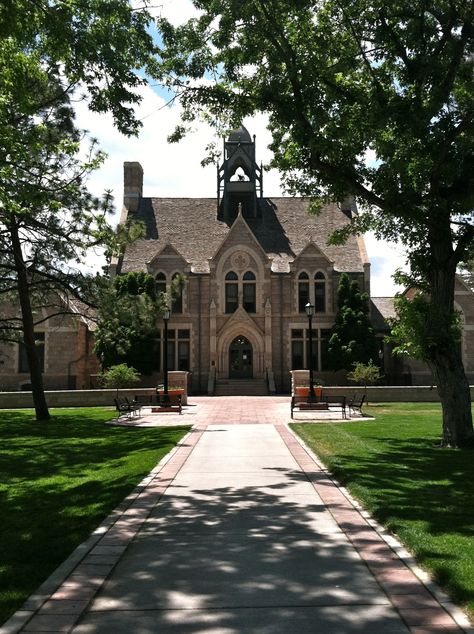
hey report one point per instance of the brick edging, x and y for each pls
(61, 600)
(415, 601)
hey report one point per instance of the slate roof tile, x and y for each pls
(284, 227)
(382, 309)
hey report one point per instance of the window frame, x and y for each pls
(320, 337)
(176, 339)
(162, 285)
(40, 341)
(241, 284)
(177, 304)
(310, 282)
(319, 281)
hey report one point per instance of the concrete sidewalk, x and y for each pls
(241, 531)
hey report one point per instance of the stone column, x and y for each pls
(268, 335)
(213, 333)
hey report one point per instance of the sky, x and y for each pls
(175, 169)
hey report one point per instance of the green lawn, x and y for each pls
(58, 480)
(423, 493)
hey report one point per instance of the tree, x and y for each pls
(352, 338)
(48, 220)
(51, 52)
(340, 79)
(365, 374)
(118, 376)
(127, 321)
(126, 330)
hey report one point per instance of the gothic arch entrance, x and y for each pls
(240, 358)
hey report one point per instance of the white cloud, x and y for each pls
(169, 169)
(385, 259)
(176, 11)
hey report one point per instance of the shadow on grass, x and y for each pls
(418, 490)
(58, 480)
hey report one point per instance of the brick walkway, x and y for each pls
(239, 530)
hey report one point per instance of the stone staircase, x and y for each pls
(241, 387)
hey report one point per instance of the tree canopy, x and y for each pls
(98, 47)
(53, 53)
(127, 329)
(352, 338)
(365, 98)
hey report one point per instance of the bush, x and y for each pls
(365, 374)
(119, 376)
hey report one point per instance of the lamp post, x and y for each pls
(166, 316)
(309, 308)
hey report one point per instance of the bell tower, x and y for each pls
(239, 178)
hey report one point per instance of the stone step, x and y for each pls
(241, 387)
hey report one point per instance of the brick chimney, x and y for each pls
(132, 185)
(348, 206)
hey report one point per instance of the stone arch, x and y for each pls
(256, 340)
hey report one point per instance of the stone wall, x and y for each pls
(96, 398)
(70, 398)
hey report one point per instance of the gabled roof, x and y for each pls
(168, 250)
(239, 229)
(312, 249)
(283, 229)
(383, 308)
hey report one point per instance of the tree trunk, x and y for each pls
(454, 393)
(444, 356)
(39, 399)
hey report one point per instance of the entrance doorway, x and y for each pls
(240, 359)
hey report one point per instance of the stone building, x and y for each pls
(406, 371)
(251, 263)
(65, 346)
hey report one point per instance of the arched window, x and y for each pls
(303, 291)
(249, 292)
(177, 303)
(160, 283)
(231, 292)
(319, 293)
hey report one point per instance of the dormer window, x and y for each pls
(160, 280)
(314, 293)
(177, 303)
(319, 293)
(162, 286)
(303, 291)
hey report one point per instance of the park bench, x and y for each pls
(124, 406)
(171, 405)
(158, 403)
(336, 401)
(324, 402)
(355, 404)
